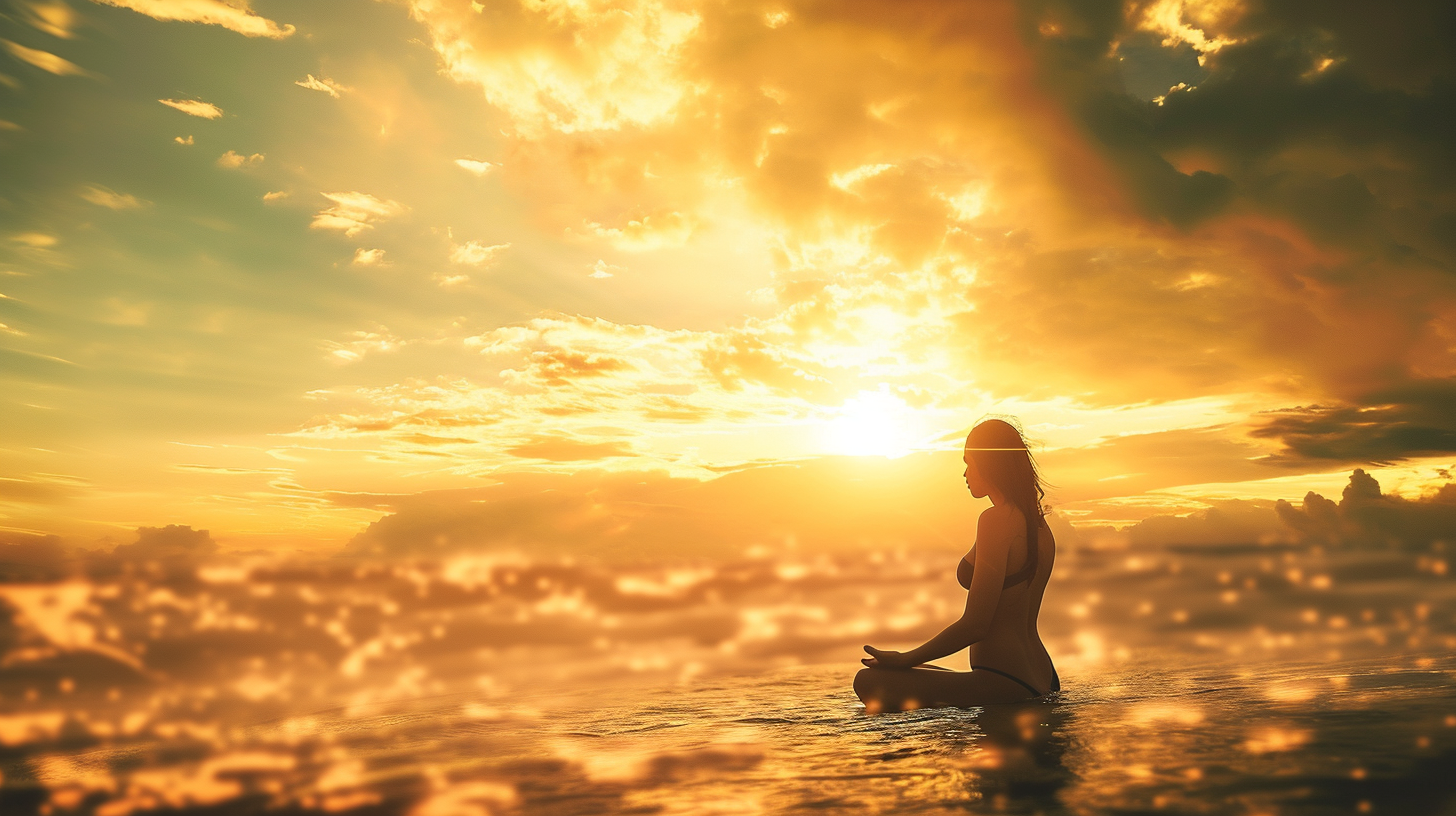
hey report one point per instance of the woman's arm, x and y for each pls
(994, 532)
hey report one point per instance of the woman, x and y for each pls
(1005, 574)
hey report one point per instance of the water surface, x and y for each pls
(1210, 680)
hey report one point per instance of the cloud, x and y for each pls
(172, 542)
(625, 74)
(1227, 522)
(655, 231)
(236, 16)
(1400, 422)
(44, 60)
(602, 269)
(353, 212)
(45, 489)
(362, 344)
(185, 141)
(1122, 254)
(55, 18)
(35, 240)
(1365, 516)
(472, 253)
(104, 197)
(833, 505)
(277, 195)
(27, 557)
(368, 257)
(479, 168)
(234, 160)
(194, 107)
(326, 85)
(559, 449)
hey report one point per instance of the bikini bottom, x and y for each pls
(1056, 681)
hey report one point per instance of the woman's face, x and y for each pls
(975, 482)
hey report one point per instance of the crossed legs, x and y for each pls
(933, 687)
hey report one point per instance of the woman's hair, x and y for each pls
(999, 450)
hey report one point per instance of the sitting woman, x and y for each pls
(1005, 573)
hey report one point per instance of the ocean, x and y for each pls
(1246, 679)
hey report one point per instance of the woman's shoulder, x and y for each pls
(1001, 518)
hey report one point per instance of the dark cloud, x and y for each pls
(1413, 419)
(1232, 522)
(1364, 515)
(29, 557)
(175, 541)
(1298, 113)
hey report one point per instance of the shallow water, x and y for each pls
(1232, 680)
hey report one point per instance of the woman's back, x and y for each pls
(1014, 644)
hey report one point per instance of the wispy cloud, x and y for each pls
(353, 212)
(236, 16)
(194, 107)
(473, 253)
(105, 197)
(324, 84)
(183, 140)
(479, 168)
(362, 343)
(277, 195)
(44, 60)
(56, 19)
(234, 160)
(35, 240)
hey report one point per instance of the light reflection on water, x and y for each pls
(1236, 680)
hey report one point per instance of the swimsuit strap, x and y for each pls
(1029, 687)
(1024, 574)
(1029, 568)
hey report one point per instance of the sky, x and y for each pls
(324, 275)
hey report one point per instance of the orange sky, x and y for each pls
(278, 271)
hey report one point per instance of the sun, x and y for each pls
(875, 423)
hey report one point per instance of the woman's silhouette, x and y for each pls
(1005, 574)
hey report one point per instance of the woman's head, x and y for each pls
(997, 460)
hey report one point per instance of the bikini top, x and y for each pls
(965, 569)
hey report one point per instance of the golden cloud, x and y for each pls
(931, 206)
(232, 160)
(44, 60)
(106, 197)
(568, 66)
(194, 107)
(56, 19)
(473, 253)
(353, 212)
(234, 16)
(323, 84)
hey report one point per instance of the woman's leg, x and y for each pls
(927, 687)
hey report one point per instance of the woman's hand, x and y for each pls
(885, 659)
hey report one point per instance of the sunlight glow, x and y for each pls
(875, 423)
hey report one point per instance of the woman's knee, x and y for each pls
(867, 683)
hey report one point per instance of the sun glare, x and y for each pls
(875, 423)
